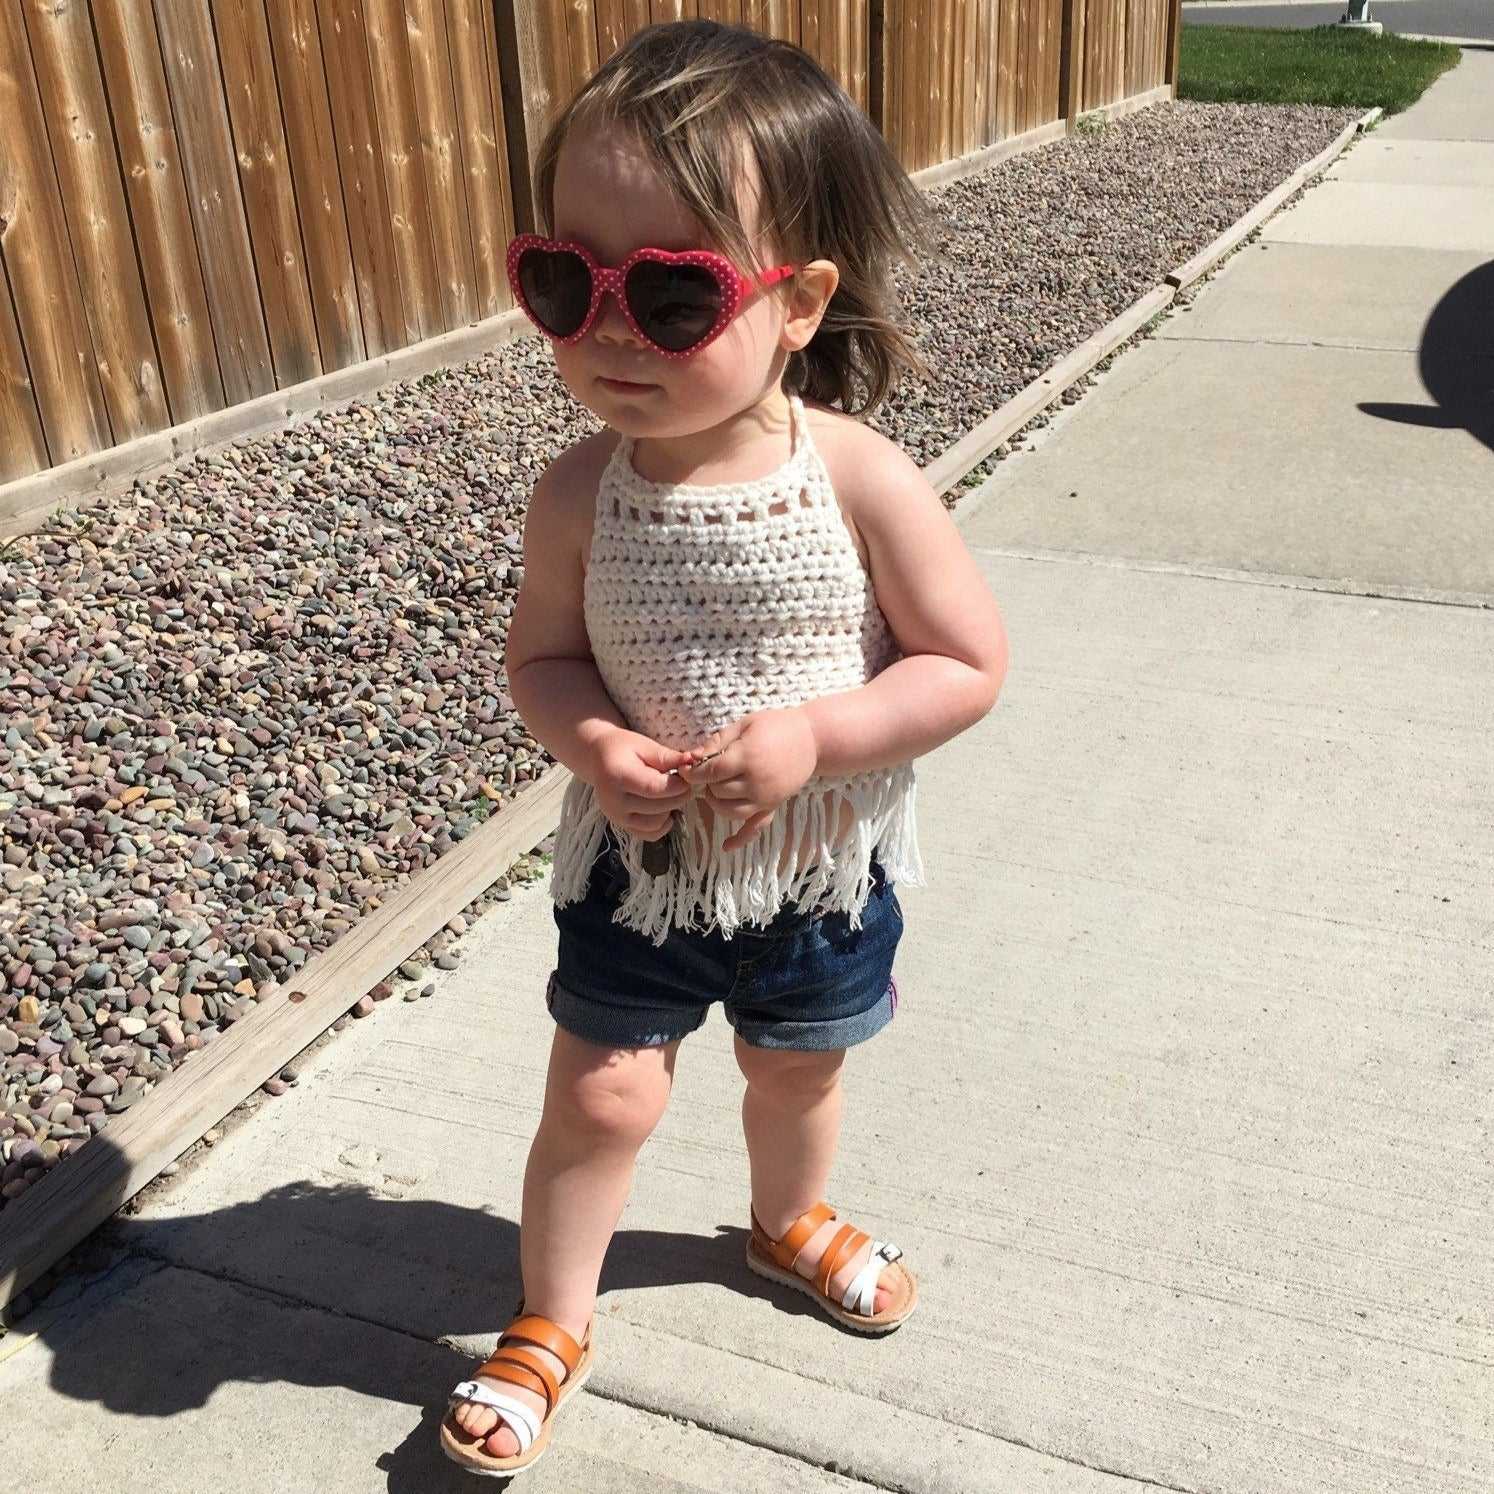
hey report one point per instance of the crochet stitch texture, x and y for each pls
(705, 604)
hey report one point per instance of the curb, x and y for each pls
(1205, 260)
(1472, 43)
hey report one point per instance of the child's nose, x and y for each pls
(611, 324)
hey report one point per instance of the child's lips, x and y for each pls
(626, 386)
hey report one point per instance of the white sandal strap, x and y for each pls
(521, 1419)
(861, 1295)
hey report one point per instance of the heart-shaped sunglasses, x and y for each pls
(676, 302)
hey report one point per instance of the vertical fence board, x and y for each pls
(1006, 69)
(404, 175)
(992, 23)
(1052, 40)
(490, 211)
(778, 18)
(82, 138)
(295, 39)
(195, 84)
(23, 447)
(502, 181)
(956, 64)
(1026, 63)
(978, 50)
(253, 96)
(809, 27)
(581, 43)
(975, 85)
(916, 61)
(441, 159)
(360, 154)
(901, 66)
(941, 81)
(176, 294)
(1132, 37)
(39, 258)
(614, 26)
(890, 41)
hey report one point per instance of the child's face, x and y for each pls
(609, 198)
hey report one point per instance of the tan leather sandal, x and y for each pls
(775, 1260)
(515, 1361)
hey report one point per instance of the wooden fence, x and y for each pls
(204, 201)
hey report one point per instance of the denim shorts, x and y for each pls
(807, 981)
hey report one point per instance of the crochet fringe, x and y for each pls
(707, 887)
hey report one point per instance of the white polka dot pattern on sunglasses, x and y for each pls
(733, 285)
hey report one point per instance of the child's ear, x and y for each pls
(809, 294)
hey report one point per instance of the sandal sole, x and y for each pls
(489, 1467)
(870, 1326)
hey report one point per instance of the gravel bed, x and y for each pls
(1043, 250)
(241, 704)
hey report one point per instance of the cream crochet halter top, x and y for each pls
(704, 605)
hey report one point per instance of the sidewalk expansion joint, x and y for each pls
(1427, 597)
(1299, 342)
(850, 1471)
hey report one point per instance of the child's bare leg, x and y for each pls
(791, 1119)
(601, 1104)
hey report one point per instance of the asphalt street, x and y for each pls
(1461, 18)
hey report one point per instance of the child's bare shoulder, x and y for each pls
(565, 495)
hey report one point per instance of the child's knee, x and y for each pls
(615, 1104)
(789, 1072)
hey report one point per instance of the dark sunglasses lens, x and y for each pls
(676, 305)
(557, 288)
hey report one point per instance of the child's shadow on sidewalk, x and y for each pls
(417, 1270)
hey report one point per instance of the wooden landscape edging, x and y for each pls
(975, 446)
(1241, 229)
(73, 1199)
(78, 1195)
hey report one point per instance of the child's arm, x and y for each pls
(940, 610)
(551, 673)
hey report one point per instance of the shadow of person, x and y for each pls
(1456, 362)
(328, 1287)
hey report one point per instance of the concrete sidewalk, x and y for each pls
(1185, 1120)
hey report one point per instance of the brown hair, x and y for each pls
(695, 94)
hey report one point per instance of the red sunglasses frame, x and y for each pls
(735, 286)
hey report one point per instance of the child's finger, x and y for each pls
(717, 769)
(736, 809)
(749, 831)
(733, 788)
(659, 789)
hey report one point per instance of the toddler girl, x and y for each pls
(743, 614)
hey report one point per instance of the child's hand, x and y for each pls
(633, 786)
(763, 759)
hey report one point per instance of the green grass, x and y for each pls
(1321, 65)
